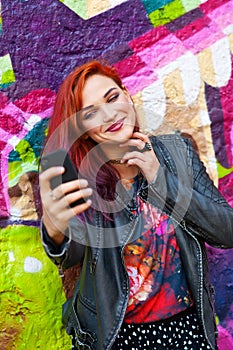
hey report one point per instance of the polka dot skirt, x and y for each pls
(182, 333)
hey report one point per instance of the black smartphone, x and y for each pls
(60, 157)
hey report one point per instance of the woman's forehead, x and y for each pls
(96, 87)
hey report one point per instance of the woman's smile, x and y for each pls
(116, 126)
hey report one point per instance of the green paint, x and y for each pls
(25, 156)
(26, 162)
(78, 6)
(190, 4)
(222, 172)
(25, 151)
(17, 169)
(8, 77)
(30, 312)
(167, 13)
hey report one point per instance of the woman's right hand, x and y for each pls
(56, 203)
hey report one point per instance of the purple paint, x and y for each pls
(225, 186)
(61, 39)
(184, 20)
(221, 272)
(214, 106)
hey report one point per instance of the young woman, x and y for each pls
(140, 234)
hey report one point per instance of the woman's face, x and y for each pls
(107, 113)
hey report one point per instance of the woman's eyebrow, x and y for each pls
(85, 108)
(108, 92)
(105, 95)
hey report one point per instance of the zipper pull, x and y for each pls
(60, 271)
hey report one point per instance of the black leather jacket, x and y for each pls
(200, 214)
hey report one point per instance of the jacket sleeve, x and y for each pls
(191, 197)
(66, 255)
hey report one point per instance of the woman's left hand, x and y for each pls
(144, 157)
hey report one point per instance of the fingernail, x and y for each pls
(83, 182)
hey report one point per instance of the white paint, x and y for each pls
(11, 256)
(221, 57)
(228, 30)
(15, 213)
(154, 105)
(32, 265)
(13, 141)
(190, 75)
(189, 4)
(116, 2)
(205, 119)
(212, 163)
(32, 121)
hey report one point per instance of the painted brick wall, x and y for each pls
(174, 56)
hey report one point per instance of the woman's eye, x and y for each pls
(113, 98)
(89, 114)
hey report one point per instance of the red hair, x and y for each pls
(64, 126)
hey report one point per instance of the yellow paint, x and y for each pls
(97, 6)
(206, 67)
(230, 38)
(173, 87)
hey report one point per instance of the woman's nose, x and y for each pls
(108, 112)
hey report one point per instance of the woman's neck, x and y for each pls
(114, 154)
(127, 172)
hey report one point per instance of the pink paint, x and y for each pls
(3, 204)
(14, 117)
(162, 53)
(223, 15)
(3, 100)
(225, 186)
(129, 66)
(140, 80)
(227, 103)
(203, 39)
(225, 340)
(36, 101)
(10, 123)
(149, 38)
(210, 5)
(192, 28)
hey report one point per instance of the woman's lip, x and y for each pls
(116, 126)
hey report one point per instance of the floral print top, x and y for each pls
(158, 287)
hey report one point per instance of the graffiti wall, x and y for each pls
(174, 56)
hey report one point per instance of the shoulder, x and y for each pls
(174, 149)
(173, 143)
(170, 139)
